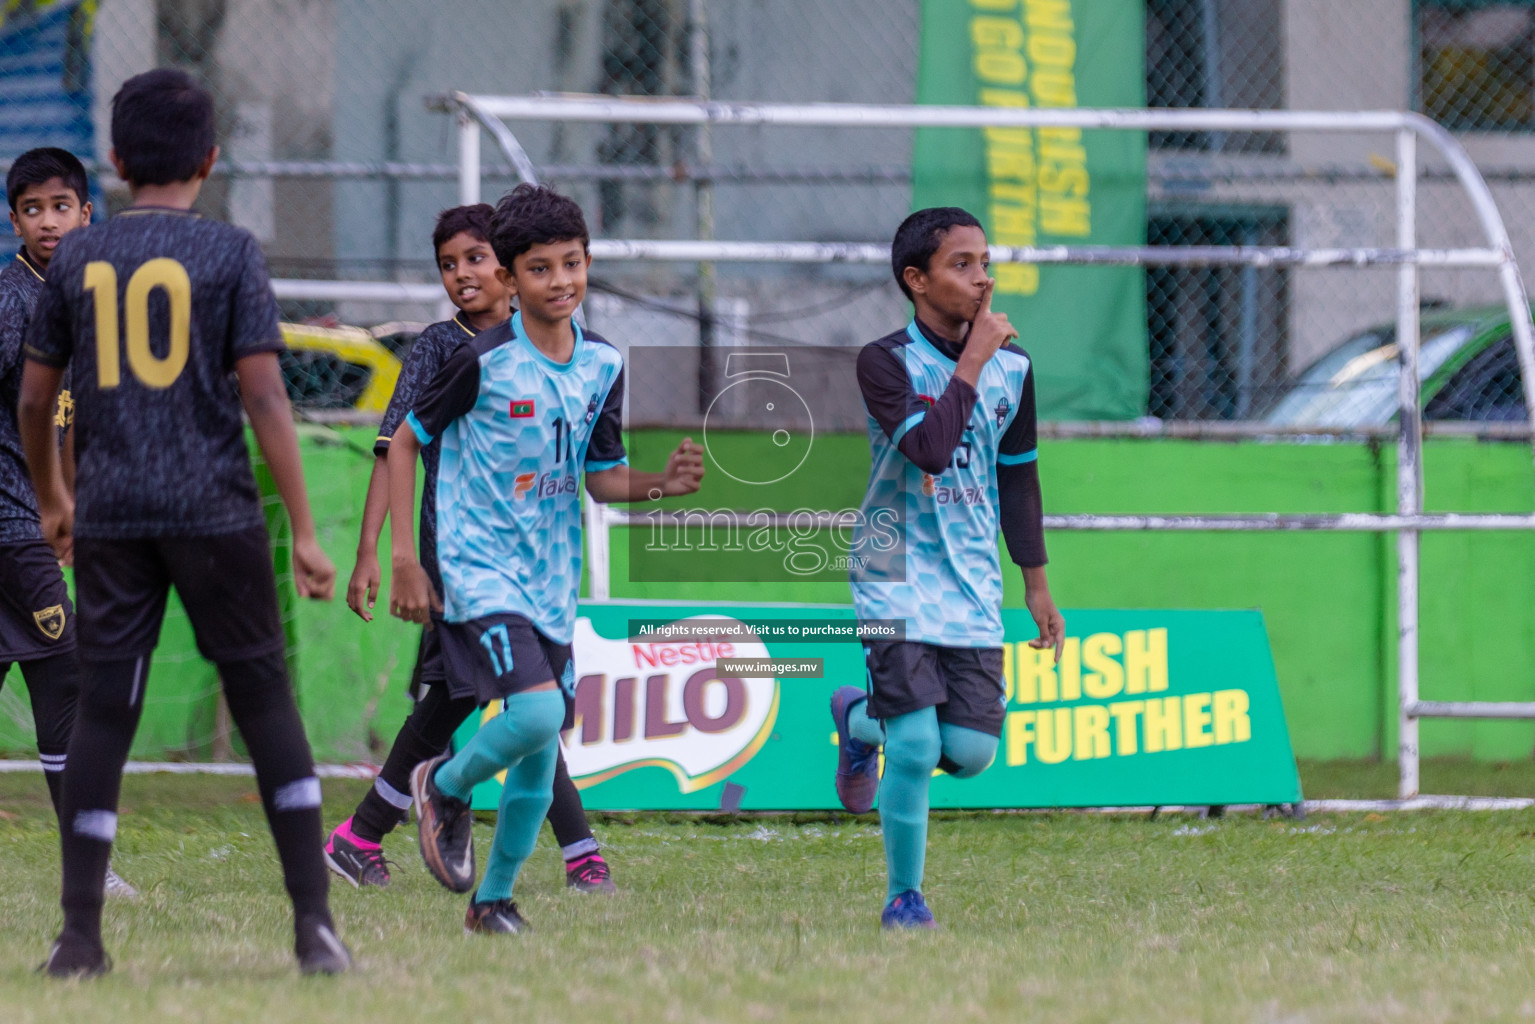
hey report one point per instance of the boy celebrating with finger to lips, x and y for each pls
(950, 402)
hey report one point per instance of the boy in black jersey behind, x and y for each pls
(152, 311)
(46, 190)
(354, 850)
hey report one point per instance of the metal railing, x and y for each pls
(492, 112)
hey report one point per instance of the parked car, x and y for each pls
(1466, 362)
(329, 368)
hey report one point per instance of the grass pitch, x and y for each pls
(1421, 917)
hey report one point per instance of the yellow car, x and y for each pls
(338, 368)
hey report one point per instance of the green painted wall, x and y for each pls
(1328, 599)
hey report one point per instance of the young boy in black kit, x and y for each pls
(48, 195)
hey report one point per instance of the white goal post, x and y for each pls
(477, 113)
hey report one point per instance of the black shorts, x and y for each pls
(225, 582)
(963, 683)
(429, 670)
(499, 655)
(36, 617)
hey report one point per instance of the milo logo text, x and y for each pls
(665, 705)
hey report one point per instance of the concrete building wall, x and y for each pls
(269, 66)
(122, 45)
(789, 50)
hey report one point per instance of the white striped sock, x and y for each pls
(393, 797)
(99, 825)
(297, 796)
(579, 848)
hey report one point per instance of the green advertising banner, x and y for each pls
(1146, 707)
(1086, 326)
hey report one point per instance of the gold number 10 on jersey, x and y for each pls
(154, 372)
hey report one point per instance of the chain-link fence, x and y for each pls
(334, 158)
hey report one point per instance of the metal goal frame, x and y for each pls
(480, 113)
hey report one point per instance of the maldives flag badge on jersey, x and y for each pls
(522, 408)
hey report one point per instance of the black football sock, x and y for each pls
(54, 687)
(111, 700)
(262, 707)
(425, 734)
(568, 817)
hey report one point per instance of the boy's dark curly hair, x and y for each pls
(472, 220)
(532, 215)
(919, 237)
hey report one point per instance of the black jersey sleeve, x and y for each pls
(926, 436)
(421, 367)
(14, 314)
(253, 308)
(49, 339)
(1021, 505)
(451, 394)
(606, 448)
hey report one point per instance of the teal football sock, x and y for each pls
(863, 728)
(966, 752)
(912, 748)
(522, 727)
(525, 801)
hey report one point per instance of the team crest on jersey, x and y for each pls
(928, 401)
(1002, 409)
(522, 408)
(64, 412)
(50, 621)
(591, 408)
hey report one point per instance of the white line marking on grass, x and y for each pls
(324, 771)
(1426, 803)
(368, 771)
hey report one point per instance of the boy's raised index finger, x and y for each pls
(991, 284)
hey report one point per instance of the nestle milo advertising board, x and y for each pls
(1145, 707)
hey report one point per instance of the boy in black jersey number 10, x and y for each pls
(151, 311)
(957, 469)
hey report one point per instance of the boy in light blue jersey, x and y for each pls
(522, 410)
(461, 245)
(952, 434)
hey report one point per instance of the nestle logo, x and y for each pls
(667, 655)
